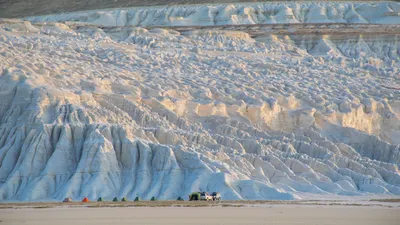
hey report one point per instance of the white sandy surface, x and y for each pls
(275, 215)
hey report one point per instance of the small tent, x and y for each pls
(67, 200)
(100, 199)
(195, 196)
(124, 199)
(153, 199)
(115, 199)
(180, 199)
(137, 199)
(85, 199)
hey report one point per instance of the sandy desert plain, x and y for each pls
(329, 212)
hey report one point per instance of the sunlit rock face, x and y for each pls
(245, 13)
(153, 112)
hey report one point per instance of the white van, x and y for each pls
(205, 196)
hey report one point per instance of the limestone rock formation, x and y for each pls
(134, 112)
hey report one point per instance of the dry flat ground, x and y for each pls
(390, 203)
(276, 214)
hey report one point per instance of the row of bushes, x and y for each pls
(136, 199)
(124, 199)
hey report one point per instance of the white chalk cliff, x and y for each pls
(154, 112)
(385, 12)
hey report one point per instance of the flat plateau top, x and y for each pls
(22, 8)
(255, 30)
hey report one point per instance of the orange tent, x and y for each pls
(85, 200)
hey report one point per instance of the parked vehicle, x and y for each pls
(205, 196)
(216, 196)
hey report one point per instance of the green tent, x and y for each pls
(137, 199)
(100, 199)
(195, 196)
(180, 199)
(115, 199)
(153, 199)
(124, 199)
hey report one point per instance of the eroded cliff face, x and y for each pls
(276, 12)
(135, 112)
(20, 8)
